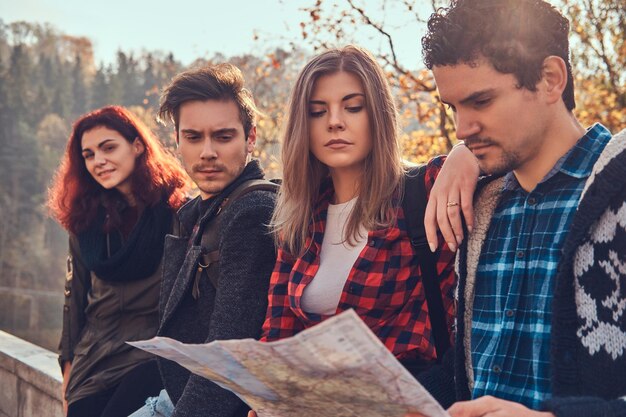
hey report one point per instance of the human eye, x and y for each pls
(224, 138)
(87, 156)
(482, 102)
(191, 137)
(354, 109)
(316, 113)
(109, 148)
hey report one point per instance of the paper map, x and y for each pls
(338, 368)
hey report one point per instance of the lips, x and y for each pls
(208, 171)
(337, 143)
(478, 147)
(105, 173)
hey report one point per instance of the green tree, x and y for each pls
(79, 89)
(100, 88)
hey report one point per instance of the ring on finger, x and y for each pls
(452, 204)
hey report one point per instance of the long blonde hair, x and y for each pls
(303, 174)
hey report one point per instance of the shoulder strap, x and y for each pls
(211, 232)
(414, 207)
(249, 186)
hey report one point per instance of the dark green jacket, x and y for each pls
(98, 318)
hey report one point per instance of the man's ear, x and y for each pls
(251, 141)
(553, 78)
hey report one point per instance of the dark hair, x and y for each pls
(515, 36)
(75, 195)
(215, 82)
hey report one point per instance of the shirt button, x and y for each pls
(519, 254)
(509, 313)
(532, 201)
(371, 243)
(496, 369)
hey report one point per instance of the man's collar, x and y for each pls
(577, 162)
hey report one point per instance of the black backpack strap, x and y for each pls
(211, 232)
(414, 207)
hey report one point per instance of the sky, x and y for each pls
(194, 29)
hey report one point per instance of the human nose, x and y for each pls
(466, 125)
(99, 159)
(208, 150)
(335, 120)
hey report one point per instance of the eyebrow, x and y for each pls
(348, 97)
(478, 94)
(224, 131)
(196, 132)
(104, 142)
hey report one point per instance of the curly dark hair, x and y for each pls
(515, 36)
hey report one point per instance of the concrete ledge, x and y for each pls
(30, 378)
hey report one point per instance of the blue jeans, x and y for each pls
(160, 406)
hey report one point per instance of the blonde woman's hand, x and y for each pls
(452, 197)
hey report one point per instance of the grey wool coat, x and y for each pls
(235, 309)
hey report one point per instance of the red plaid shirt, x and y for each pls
(383, 286)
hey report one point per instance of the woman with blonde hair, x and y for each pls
(339, 223)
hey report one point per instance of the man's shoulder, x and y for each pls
(246, 219)
(254, 202)
(255, 194)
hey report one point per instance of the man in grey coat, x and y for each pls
(217, 266)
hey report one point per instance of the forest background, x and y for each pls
(48, 78)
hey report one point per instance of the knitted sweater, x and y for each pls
(588, 339)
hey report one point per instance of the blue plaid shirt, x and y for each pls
(512, 309)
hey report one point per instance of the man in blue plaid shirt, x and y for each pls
(541, 320)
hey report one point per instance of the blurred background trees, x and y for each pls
(598, 50)
(48, 78)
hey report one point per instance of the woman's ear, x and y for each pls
(553, 78)
(138, 146)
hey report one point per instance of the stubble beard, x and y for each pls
(507, 162)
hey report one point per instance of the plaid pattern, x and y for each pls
(383, 287)
(512, 312)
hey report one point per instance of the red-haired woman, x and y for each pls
(115, 192)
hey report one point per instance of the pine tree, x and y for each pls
(100, 89)
(79, 89)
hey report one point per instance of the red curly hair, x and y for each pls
(74, 196)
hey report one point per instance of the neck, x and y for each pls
(346, 184)
(558, 138)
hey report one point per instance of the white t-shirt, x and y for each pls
(337, 258)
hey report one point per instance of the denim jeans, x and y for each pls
(160, 406)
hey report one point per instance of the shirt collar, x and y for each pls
(578, 161)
